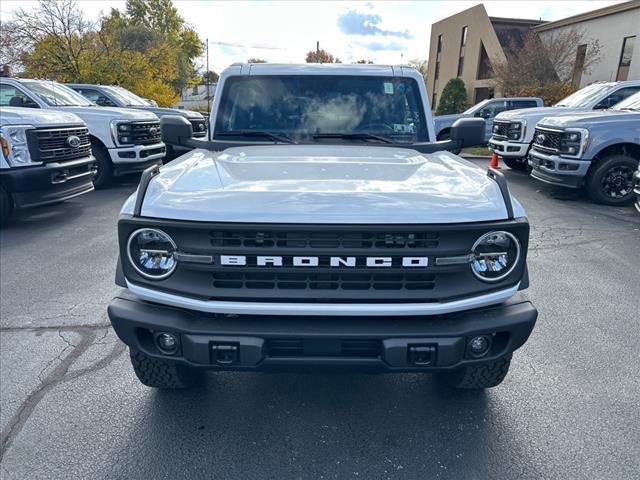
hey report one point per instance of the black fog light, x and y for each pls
(479, 346)
(167, 343)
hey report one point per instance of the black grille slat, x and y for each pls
(550, 142)
(199, 128)
(315, 240)
(53, 147)
(140, 133)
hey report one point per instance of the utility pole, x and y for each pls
(318, 51)
(208, 81)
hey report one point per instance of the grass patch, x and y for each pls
(480, 151)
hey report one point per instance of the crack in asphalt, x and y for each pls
(60, 374)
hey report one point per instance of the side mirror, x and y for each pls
(175, 129)
(468, 132)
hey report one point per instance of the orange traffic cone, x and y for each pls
(494, 163)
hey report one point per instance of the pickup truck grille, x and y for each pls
(60, 144)
(548, 140)
(199, 128)
(500, 129)
(141, 133)
(257, 262)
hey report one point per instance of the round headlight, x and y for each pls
(151, 253)
(495, 255)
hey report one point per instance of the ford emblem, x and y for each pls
(153, 131)
(73, 141)
(541, 138)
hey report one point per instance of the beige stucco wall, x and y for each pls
(479, 29)
(610, 32)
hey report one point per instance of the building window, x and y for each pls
(433, 100)
(439, 44)
(482, 93)
(484, 65)
(625, 58)
(463, 43)
(437, 71)
(581, 53)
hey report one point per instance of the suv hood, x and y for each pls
(322, 184)
(590, 118)
(531, 114)
(38, 117)
(110, 113)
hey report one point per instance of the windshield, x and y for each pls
(55, 94)
(126, 97)
(301, 106)
(583, 97)
(476, 107)
(631, 103)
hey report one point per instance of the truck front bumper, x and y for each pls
(558, 170)
(505, 148)
(382, 344)
(48, 183)
(136, 158)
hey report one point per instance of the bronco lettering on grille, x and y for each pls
(333, 262)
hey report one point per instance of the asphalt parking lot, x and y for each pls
(71, 406)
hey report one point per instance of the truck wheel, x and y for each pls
(104, 175)
(516, 163)
(6, 206)
(476, 377)
(444, 135)
(159, 374)
(611, 181)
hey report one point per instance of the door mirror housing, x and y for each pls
(176, 130)
(468, 132)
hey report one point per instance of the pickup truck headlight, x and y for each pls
(151, 252)
(494, 256)
(573, 143)
(515, 130)
(121, 132)
(15, 146)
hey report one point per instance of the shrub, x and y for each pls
(550, 94)
(454, 98)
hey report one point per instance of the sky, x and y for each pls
(384, 31)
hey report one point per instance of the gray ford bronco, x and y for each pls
(321, 226)
(597, 150)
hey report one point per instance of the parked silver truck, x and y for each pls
(598, 150)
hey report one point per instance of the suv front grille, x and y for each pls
(315, 239)
(199, 128)
(58, 145)
(548, 140)
(142, 133)
(500, 129)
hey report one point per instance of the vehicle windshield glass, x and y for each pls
(56, 94)
(126, 97)
(476, 107)
(584, 96)
(301, 106)
(631, 103)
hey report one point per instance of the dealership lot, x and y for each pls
(72, 408)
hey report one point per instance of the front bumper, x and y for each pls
(505, 148)
(135, 158)
(558, 170)
(48, 183)
(383, 344)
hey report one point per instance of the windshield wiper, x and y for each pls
(354, 136)
(258, 133)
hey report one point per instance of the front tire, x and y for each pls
(161, 374)
(104, 174)
(611, 181)
(520, 164)
(6, 206)
(477, 377)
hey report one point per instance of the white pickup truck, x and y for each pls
(322, 226)
(46, 158)
(512, 132)
(123, 140)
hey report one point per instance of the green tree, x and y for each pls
(321, 56)
(256, 60)
(210, 76)
(453, 99)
